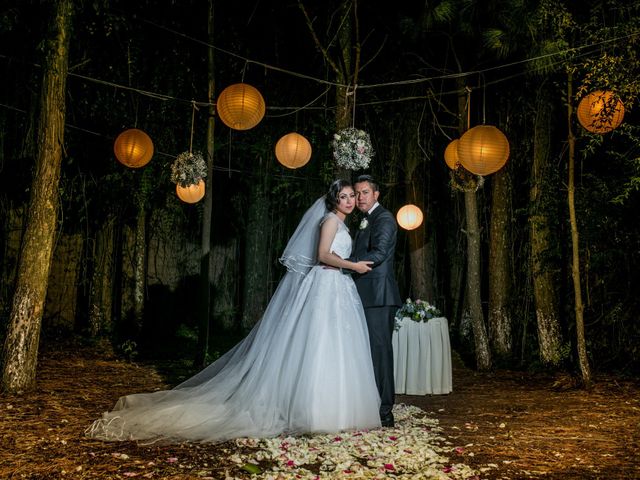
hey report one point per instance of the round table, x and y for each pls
(422, 357)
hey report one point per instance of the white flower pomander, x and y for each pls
(364, 223)
(188, 169)
(352, 149)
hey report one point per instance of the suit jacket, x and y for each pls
(377, 242)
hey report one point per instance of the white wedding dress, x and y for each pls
(304, 368)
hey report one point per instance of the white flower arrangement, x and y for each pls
(418, 311)
(364, 223)
(188, 169)
(352, 149)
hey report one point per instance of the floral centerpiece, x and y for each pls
(352, 149)
(188, 169)
(418, 311)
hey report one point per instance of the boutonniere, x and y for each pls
(364, 223)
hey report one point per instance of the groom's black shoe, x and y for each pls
(387, 420)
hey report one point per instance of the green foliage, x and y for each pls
(129, 349)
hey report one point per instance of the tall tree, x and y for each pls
(499, 314)
(20, 351)
(544, 269)
(206, 260)
(583, 361)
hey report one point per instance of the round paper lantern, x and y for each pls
(293, 150)
(192, 193)
(240, 106)
(133, 148)
(409, 217)
(483, 149)
(600, 111)
(451, 155)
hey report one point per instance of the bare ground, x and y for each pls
(512, 425)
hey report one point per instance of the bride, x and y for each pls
(305, 367)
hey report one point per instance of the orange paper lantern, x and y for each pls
(483, 150)
(600, 111)
(240, 106)
(409, 217)
(192, 193)
(451, 155)
(293, 150)
(133, 148)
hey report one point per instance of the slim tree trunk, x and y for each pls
(499, 269)
(542, 264)
(20, 351)
(256, 268)
(575, 247)
(101, 286)
(205, 259)
(421, 258)
(481, 341)
(139, 268)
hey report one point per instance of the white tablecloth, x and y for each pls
(422, 357)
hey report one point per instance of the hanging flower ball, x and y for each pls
(133, 148)
(600, 111)
(483, 150)
(240, 106)
(293, 150)
(352, 149)
(409, 217)
(451, 155)
(191, 193)
(188, 169)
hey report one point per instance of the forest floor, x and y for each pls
(503, 425)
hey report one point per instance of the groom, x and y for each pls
(376, 240)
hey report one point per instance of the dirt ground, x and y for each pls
(512, 425)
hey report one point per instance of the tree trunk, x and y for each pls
(20, 352)
(455, 240)
(421, 258)
(543, 270)
(205, 258)
(499, 268)
(483, 354)
(256, 268)
(101, 287)
(139, 269)
(575, 247)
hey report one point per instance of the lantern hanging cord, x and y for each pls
(353, 115)
(193, 116)
(468, 89)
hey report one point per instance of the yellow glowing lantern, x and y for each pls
(483, 149)
(240, 106)
(293, 150)
(409, 217)
(451, 155)
(192, 193)
(133, 148)
(600, 111)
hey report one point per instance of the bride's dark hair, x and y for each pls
(331, 198)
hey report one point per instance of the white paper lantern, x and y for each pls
(293, 150)
(409, 217)
(191, 193)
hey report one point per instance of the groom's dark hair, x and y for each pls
(370, 180)
(331, 198)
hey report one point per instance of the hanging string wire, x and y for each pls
(353, 116)
(193, 116)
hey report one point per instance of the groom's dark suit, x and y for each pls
(380, 297)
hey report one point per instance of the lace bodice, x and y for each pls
(341, 244)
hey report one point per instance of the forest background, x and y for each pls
(497, 255)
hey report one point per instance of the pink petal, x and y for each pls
(389, 466)
(172, 459)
